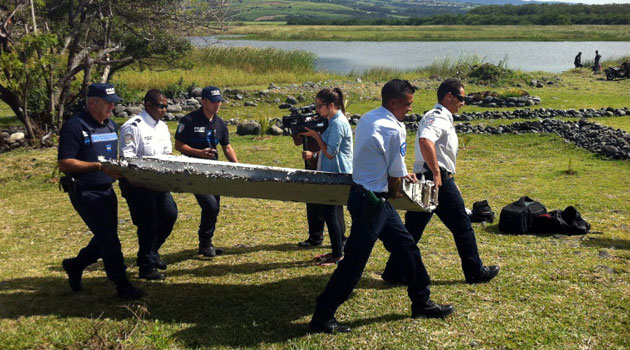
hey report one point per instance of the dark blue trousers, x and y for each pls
(154, 213)
(316, 220)
(370, 223)
(98, 207)
(452, 212)
(210, 206)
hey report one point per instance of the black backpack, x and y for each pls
(567, 221)
(518, 217)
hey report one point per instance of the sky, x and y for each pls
(590, 2)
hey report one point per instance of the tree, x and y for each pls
(51, 50)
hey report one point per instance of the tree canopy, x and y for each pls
(50, 50)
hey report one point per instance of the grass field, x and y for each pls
(553, 292)
(436, 33)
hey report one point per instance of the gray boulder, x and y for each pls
(291, 100)
(274, 130)
(248, 127)
(195, 92)
(174, 108)
(16, 137)
(250, 104)
(119, 109)
(133, 110)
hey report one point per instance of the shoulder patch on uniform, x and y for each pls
(403, 149)
(430, 120)
(128, 137)
(181, 127)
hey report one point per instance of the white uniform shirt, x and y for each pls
(379, 150)
(144, 136)
(437, 126)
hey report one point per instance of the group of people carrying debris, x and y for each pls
(377, 165)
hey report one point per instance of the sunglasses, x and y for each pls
(159, 105)
(459, 97)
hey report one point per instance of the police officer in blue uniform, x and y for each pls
(436, 155)
(82, 139)
(378, 169)
(198, 135)
(154, 212)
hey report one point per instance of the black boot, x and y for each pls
(74, 272)
(150, 272)
(127, 291)
(207, 249)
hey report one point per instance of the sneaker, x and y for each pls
(74, 274)
(309, 244)
(328, 259)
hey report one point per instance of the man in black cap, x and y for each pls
(82, 139)
(198, 135)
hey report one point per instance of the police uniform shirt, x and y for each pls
(379, 150)
(83, 138)
(144, 136)
(196, 131)
(437, 126)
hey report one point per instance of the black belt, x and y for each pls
(442, 170)
(360, 187)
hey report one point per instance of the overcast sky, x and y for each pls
(593, 2)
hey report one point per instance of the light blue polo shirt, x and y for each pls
(379, 150)
(338, 140)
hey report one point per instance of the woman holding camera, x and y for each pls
(335, 155)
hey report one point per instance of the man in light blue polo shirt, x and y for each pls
(378, 169)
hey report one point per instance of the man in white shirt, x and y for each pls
(153, 212)
(378, 169)
(436, 156)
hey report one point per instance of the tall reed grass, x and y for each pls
(226, 66)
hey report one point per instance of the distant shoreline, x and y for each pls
(283, 32)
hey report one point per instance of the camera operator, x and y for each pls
(335, 155)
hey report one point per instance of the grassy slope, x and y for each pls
(436, 33)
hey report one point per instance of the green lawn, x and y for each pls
(553, 292)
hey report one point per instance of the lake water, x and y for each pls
(344, 56)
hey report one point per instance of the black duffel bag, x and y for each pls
(567, 221)
(518, 217)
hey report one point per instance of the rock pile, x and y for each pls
(542, 113)
(12, 138)
(496, 102)
(591, 136)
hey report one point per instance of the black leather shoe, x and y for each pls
(309, 244)
(130, 292)
(327, 326)
(160, 264)
(210, 251)
(486, 273)
(151, 273)
(74, 274)
(430, 309)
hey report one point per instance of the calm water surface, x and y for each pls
(344, 56)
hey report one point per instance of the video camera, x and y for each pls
(301, 118)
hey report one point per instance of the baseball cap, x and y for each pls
(105, 91)
(212, 93)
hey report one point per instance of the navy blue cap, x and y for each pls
(212, 93)
(104, 91)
